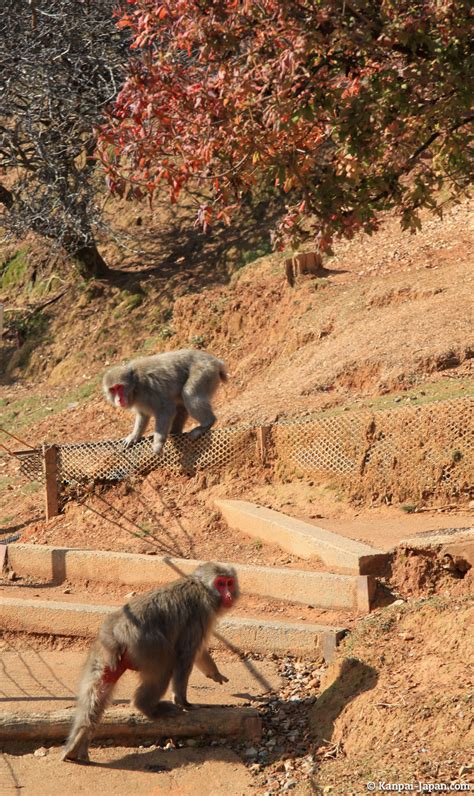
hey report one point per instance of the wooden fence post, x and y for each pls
(50, 465)
(263, 433)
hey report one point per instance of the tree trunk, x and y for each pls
(237, 721)
(91, 262)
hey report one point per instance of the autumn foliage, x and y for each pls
(346, 107)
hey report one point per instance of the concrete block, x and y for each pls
(239, 634)
(302, 538)
(321, 589)
(242, 723)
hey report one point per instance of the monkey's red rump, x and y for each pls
(113, 675)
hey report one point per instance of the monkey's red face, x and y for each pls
(118, 395)
(227, 590)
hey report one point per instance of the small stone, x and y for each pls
(12, 575)
(255, 768)
(191, 742)
(406, 636)
(250, 752)
(466, 769)
(398, 602)
(169, 746)
(67, 590)
(130, 595)
(41, 752)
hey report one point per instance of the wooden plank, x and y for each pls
(215, 721)
(50, 465)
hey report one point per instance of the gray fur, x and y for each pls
(164, 633)
(168, 387)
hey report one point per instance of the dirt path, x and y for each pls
(43, 680)
(118, 771)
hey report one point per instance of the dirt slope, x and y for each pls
(398, 700)
(388, 313)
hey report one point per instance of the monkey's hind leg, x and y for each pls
(201, 410)
(149, 693)
(95, 692)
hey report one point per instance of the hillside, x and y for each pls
(389, 321)
(388, 314)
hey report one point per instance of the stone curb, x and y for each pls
(57, 564)
(243, 635)
(302, 538)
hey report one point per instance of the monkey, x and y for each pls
(169, 387)
(160, 635)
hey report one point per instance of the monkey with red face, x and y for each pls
(169, 387)
(161, 635)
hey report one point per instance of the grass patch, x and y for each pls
(198, 341)
(251, 255)
(14, 271)
(166, 332)
(31, 487)
(28, 411)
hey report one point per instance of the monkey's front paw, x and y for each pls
(129, 441)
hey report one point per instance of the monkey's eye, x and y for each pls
(220, 583)
(230, 584)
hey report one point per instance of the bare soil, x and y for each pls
(118, 771)
(398, 705)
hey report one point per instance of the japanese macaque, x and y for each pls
(168, 387)
(161, 635)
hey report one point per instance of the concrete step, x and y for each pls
(239, 634)
(302, 538)
(321, 589)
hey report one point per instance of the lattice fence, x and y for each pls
(109, 460)
(413, 452)
(409, 453)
